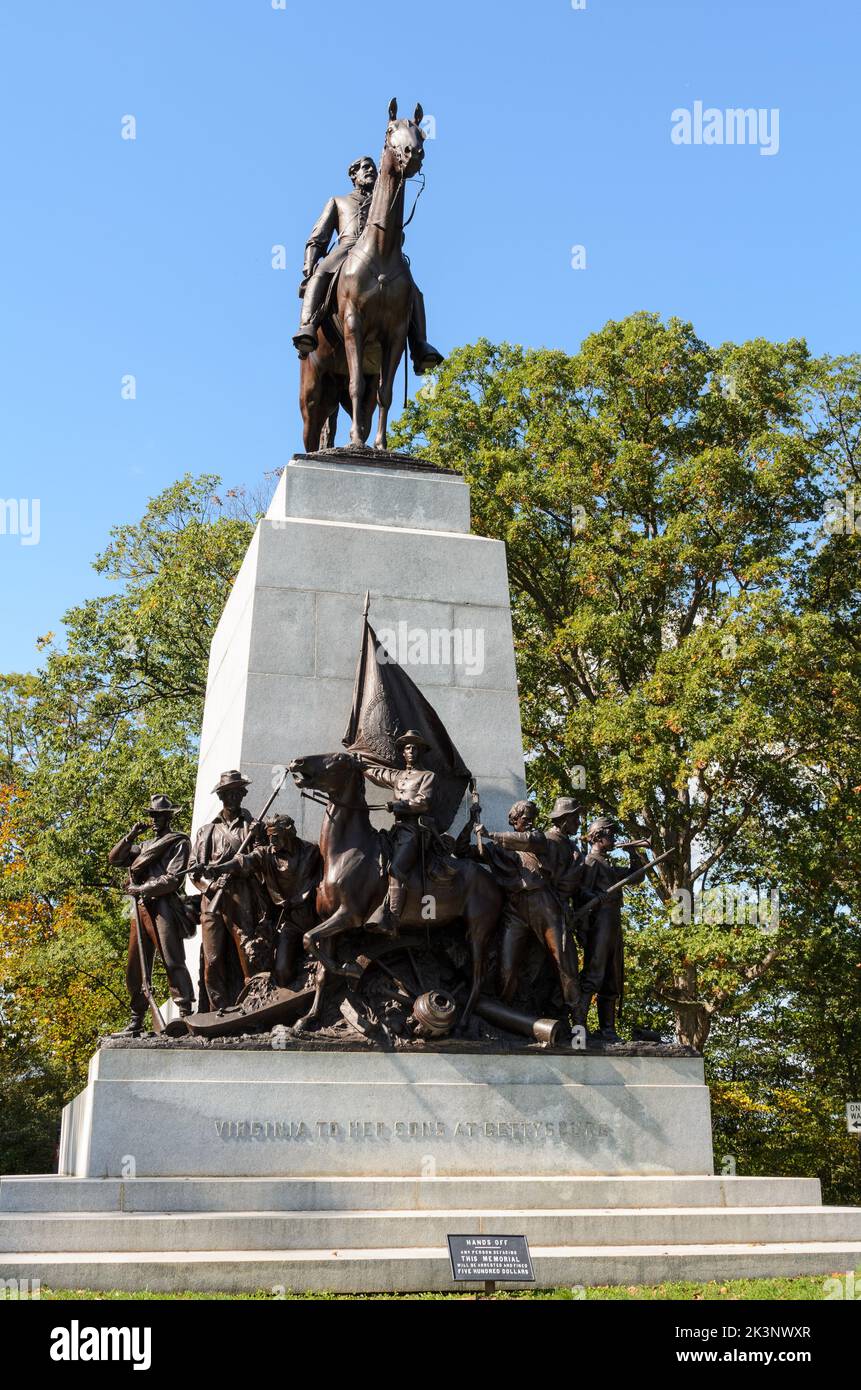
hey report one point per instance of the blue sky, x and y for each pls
(153, 256)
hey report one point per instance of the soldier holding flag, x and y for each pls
(430, 785)
(412, 809)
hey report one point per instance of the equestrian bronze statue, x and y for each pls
(360, 302)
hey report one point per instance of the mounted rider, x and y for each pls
(346, 216)
(414, 834)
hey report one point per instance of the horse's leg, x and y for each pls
(328, 411)
(327, 434)
(307, 403)
(354, 350)
(392, 351)
(316, 1004)
(479, 929)
(313, 392)
(340, 921)
(368, 402)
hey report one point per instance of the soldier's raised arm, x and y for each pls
(126, 849)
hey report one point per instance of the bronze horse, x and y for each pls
(374, 299)
(354, 883)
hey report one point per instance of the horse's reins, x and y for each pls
(347, 805)
(402, 180)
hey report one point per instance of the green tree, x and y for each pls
(113, 714)
(662, 503)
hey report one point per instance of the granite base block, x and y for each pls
(261, 1114)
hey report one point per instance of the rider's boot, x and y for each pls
(396, 898)
(578, 1011)
(305, 340)
(425, 357)
(385, 918)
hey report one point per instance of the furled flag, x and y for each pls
(385, 704)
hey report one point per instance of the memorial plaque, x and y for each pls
(491, 1258)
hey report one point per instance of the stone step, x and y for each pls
(58, 1195)
(384, 1230)
(416, 1270)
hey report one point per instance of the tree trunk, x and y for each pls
(693, 1019)
(693, 1022)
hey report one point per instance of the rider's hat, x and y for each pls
(565, 806)
(411, 736)
(232, 778)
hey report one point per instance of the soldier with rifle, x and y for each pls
(288, 870)
(160, 921)
(232, 908)
(541, 871)
(603, 970)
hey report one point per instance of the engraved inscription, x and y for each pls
(522, 1131)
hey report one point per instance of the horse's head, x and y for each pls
(332, 773)
(406, 140)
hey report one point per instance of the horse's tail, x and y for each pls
(327, 433)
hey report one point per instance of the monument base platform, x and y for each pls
(218, 1112)
(242, 1170)
(367, 1235)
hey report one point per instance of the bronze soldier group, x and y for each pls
(257, 882)
(259, 905)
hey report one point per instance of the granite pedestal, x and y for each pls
(222, 1113)
(283, 657)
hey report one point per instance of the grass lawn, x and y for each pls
(805, 1288)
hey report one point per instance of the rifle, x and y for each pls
(146, 987)
(223, 881)
(617, 887)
